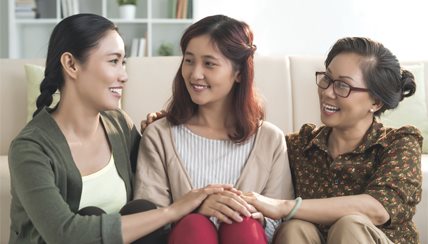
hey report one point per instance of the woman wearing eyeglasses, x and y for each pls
(359, 181)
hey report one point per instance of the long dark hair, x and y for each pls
(234, 39)
(76, 34)
(382, 73)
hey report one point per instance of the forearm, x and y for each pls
(135, 226)
(328, 210)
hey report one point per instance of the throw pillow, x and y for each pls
(35, 75)
(412, 110)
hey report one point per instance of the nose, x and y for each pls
(123, 76)
(329, 91)
(197, 72)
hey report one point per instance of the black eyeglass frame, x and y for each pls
(331, 81)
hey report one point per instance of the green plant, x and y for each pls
(166, 49)
(123, 2)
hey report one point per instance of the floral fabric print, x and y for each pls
(386, 165)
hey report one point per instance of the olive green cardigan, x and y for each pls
(46, 184)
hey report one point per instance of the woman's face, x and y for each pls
(101, 78)
(209, 76)
(354, 110)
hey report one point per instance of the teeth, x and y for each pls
(116, 90)
(198, 86)
(330, 108)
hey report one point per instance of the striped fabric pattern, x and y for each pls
(210, 161)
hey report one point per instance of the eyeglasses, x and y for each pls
(340, 88)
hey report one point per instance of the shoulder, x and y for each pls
(158, 128)
(270, 129)
(269, 135)
(306, 133)
(40, 130)
(405, 135)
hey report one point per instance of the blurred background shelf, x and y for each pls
(31, 23)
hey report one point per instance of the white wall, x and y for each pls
(308, 27)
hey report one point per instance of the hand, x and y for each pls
(269, 207)
(255, 214)
(225, 206)
(194, 198)
(150, 118)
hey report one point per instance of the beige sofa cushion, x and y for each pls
(13, 94)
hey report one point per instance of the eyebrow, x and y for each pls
(115, 54)
(204, 56)
(340, 76)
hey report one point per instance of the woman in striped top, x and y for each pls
(214, 133)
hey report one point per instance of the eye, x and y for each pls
(326, 80)
(114, 61)
(124, 62)
(187, 61)
(341, 85)
(209, 64)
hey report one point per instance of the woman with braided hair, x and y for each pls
(72, 166)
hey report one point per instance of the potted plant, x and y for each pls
(127, 8)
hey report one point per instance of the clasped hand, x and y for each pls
(228, 206)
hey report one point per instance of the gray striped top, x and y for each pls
(210, 161)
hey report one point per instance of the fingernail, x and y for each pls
(239, 219)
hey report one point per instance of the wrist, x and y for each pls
(171, 214)
(287, 205)
(294, 209)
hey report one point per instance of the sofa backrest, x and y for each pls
(286, 84)
(13, 99)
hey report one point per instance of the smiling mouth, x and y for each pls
(330, 108)
(116, 90)
(199, 86)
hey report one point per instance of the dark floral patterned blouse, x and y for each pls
(387, 166)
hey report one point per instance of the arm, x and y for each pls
(56, 223)
(321, 211)
(135, 226)
(40, 189)
(151, 179)
(391, 194)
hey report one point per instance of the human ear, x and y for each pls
(69, 65)
(237, 76)
(376, 105)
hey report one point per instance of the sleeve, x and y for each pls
(279, 184)
(134, 139)
(33, 181)
(396, 184)
(151, 180)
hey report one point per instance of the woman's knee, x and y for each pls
(355, 229)
(297, 231)
(249, 231)
(350, 222)
(193, 228)
(91, 210)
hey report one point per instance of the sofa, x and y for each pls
(286, 83)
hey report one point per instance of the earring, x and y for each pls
(371, 110)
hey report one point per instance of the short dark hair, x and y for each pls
(386, 80)
(234, 39)
(77, 34)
